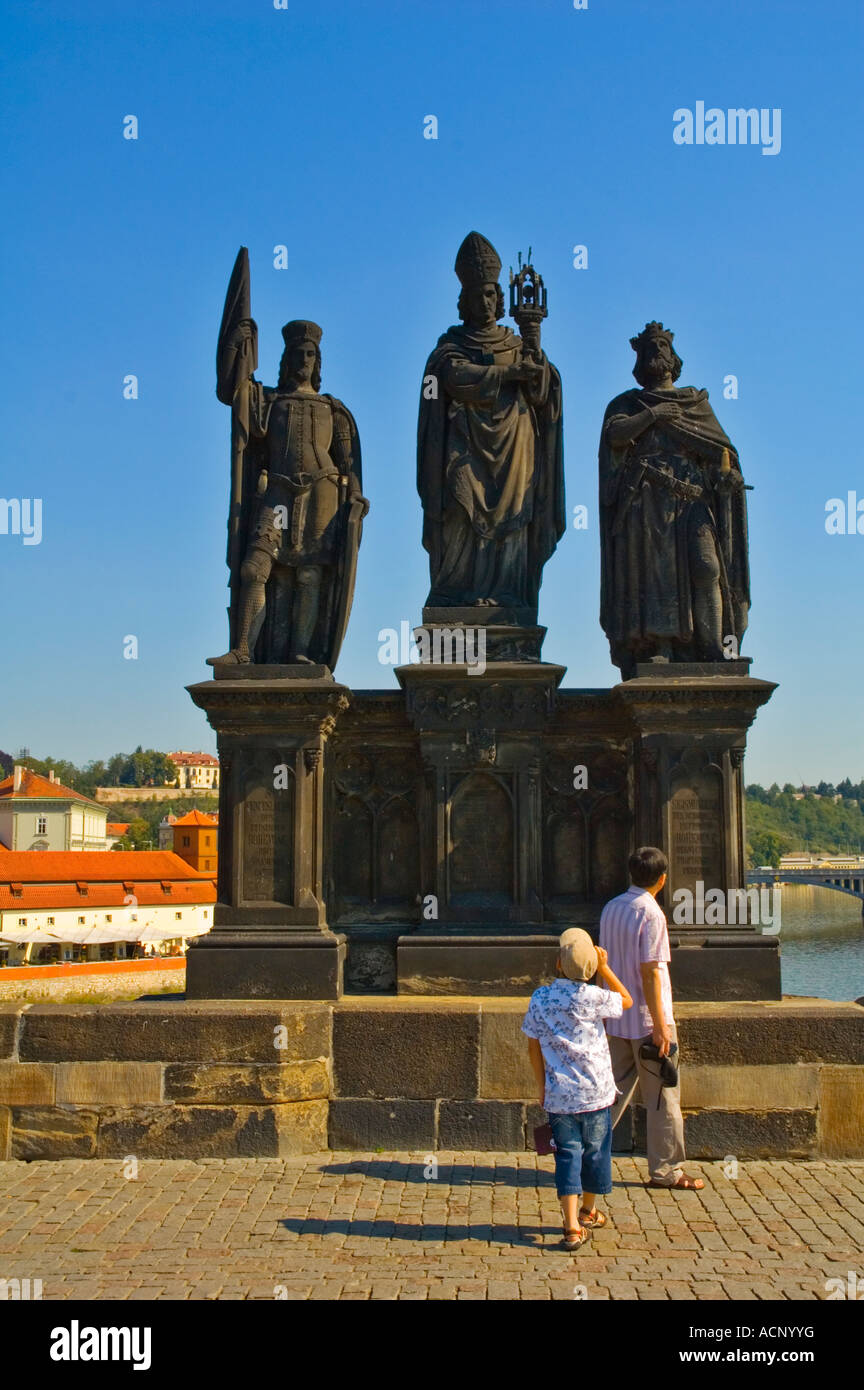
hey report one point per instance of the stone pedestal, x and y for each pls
(495, 962)
(481, 739)
(270, 938)
(481, 746)
(506, 634)
(690, 736)
(438, 838)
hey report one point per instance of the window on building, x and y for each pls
(178, 916)
(81, 921)
(50, 921)
(186, 842)
(206, 863)
(22, 921)
(41, 825)
(108, 917)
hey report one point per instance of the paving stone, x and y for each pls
(370, 1227)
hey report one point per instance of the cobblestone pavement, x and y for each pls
(381, 1226)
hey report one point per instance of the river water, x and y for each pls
(821, 943)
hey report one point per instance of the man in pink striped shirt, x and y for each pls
(634, 935)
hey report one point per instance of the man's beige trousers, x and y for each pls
(665, 1126)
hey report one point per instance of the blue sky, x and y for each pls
(304, 127)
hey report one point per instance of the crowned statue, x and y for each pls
(489, 455)
(296, 496)
(673, 520)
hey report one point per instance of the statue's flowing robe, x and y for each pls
(647, 528)
(490, 470)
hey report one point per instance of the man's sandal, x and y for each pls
(684, 1184)
(594, 1220)
(574, 1240)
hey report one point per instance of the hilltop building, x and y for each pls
(197, 771)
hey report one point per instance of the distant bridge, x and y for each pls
(849, 881)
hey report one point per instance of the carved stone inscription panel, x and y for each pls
(696, 830)
(481, 842)
(267, 845)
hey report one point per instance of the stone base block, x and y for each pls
(249, 671)
(51, 1132)
(109, 1083)
(382, 1124)
(841, 1112)
(481, 1124)
(266, 1084)
(26, 1083)
(266, 965)
(741, 1134)
(370, 967)
(760, 1088)
(416, 1052)
(724, 965)
(475, 965)
(9, 1015)
(213, 1131)
(679, 670)
(182, 1031)
(793, 1031)
(505, 1072)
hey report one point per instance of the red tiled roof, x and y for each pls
(37, 880)
(43, 897)
(194, 759)
(196, 817)
(33, 784)
(95, 866)
(117, 827)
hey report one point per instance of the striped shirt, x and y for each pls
(632, 932)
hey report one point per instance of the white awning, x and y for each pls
(20, 936)
(178, 932)
(97, 936)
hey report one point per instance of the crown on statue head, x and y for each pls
(651, 330)
(301, 331)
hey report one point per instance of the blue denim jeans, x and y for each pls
(583, 1152)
